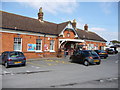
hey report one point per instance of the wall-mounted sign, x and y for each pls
(31, 47)
(45, 47)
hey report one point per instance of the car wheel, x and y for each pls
(105, 57)
(86, 63)
(24, 64)
(98, 63)
(6, 65)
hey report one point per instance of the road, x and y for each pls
(61, 73)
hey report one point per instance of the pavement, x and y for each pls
(51, 58)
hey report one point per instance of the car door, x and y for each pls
(4, 57)
(78, 56)
(83, 56)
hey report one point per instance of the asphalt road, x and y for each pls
(61, 73)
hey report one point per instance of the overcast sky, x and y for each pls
(101, 17)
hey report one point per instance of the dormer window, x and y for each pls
(83, 36)
(68, 34)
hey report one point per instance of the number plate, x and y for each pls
(96, 60)
(17, 62)
(103, 53)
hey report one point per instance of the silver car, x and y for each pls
(10, 58)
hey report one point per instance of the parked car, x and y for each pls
(86, 57)
(102, 53)
(13, 58)
(110, 51)
(0, 59)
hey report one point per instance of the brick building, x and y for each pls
(40, 38)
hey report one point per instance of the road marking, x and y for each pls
(27, 71)
(37, 67)
(37, 64)
(57, 61)
(101, 81)
(49, 64)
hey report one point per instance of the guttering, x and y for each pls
(29, 31)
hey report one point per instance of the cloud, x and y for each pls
(50, 6)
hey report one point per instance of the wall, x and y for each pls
(8, 44)
(0, 43)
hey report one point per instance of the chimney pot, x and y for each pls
(86, 27)
(40, 14)
(74, 23)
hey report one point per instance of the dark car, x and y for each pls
(110, 51)
(102, 53)
(86, 57)
(13, 58)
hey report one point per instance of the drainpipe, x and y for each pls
(44, 45)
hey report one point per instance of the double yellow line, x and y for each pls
(49, 64)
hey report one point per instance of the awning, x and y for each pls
(73, 40)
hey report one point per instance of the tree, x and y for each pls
(115, 42)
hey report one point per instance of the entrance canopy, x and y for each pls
(73, 40)
(70, 40)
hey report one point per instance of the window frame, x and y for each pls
(17, 44)
(53, 46)
(36, 46)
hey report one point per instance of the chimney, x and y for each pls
(74, 23)
(86, 27)
(40, 14)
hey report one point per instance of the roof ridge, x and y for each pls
(50, 22)
(64, 22)
(19, 15)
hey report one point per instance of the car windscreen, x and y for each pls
(16, 54)
(98, 51)
(86, 53)
(102, 51)
(93, 53)
(110, 50)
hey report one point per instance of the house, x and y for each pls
(40, 38)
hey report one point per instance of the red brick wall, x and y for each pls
(0, 43)
(8, 44)
(72, 36)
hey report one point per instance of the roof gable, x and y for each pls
(67, 26)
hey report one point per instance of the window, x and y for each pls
(52, 44)
(38, 44)
(68, 34)
(17, 44)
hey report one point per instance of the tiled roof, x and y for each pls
(61, 26)
(18, 22)
(88, 35)
(27, 24)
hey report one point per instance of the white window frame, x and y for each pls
(17, 43)
(41, 46)
(53, 46)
